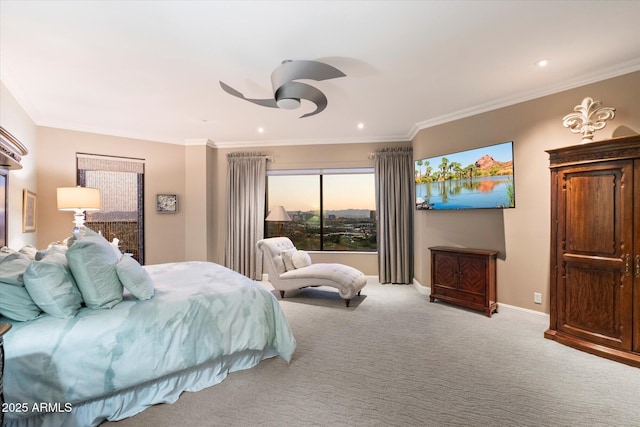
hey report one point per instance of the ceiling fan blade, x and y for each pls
(303, 70)
(264, 102)
(297, 90)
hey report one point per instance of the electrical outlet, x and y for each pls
(537, 297)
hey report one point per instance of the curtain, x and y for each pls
(394, 186)
(246, 185)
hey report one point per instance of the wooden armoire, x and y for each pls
(595, 248)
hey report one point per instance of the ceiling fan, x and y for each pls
(287, 92)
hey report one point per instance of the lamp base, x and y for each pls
(78, 220)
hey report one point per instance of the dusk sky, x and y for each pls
(301, 192)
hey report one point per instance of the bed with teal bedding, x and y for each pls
(203, 322)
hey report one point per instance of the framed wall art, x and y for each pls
(166, 203)
(28, 211)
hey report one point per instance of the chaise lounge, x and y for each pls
(290, 269)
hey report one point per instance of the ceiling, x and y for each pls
(151, 69)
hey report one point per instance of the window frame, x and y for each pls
(320, 172)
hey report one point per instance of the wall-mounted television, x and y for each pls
(480, 178)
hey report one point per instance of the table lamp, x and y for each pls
(278, 215)
(78, 199)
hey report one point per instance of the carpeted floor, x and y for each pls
(394, 359)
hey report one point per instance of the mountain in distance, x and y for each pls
(487, 162)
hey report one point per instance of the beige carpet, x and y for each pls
(394, 359)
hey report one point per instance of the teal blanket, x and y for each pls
(200, 312)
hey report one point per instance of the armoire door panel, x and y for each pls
(594, 296)
(596, 305)
(594, 202)
(590, 199)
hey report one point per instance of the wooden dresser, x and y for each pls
(595, 248)
(4, 328)
(466, 277)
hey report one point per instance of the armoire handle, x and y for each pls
(627, 262)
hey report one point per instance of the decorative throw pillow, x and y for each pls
(92, 262)
(300, 259)
(134, 278)
(51, 285)
(16, 304)
(12, 267)
(287, 259)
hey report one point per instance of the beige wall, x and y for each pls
(14, 119)
(302, 157)
(521, 234)
(195, 204)
(164, 173)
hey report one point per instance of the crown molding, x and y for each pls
(585, 79)
(322, 141)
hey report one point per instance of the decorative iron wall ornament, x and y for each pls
(287, 92)
(590, 116)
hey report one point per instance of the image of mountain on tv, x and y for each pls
(471, 179)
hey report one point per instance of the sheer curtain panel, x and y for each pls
(246, 180)
(394, 187)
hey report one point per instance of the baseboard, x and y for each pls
(426, 290)
(526, 310)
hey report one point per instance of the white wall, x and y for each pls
(14, 119)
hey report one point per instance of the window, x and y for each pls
(330, 209)
(121, 184)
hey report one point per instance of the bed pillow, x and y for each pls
(300, 259)
(5, 251)
(51, 285)
(12, 267)
(29, 251)
(92, 262)
(16, 304)
(134, 278)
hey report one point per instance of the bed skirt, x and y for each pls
(133, 400)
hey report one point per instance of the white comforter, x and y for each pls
(200, 312)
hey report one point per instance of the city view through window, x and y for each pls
(347, 202)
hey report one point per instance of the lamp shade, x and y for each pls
(278, 214)
(74, 198)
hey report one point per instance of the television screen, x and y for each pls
(472, 179)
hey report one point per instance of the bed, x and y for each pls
(203, 322)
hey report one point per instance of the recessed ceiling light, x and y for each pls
(360, 125)
(542, 63)
(260, 130)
